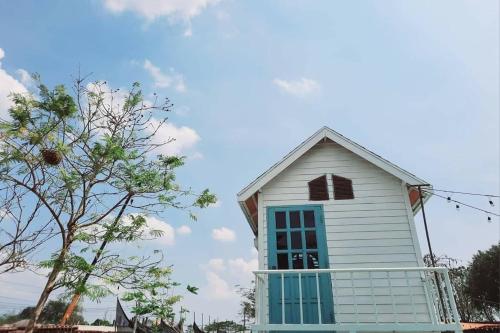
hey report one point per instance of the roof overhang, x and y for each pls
(252, 189)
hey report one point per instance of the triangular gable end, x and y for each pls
(249, 193)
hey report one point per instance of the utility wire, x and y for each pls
(467, 193)
(462, 203)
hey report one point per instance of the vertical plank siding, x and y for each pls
(372, 230)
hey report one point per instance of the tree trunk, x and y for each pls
(49, 286)
(76, 297)
(71, 307)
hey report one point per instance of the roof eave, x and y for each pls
(288, 159)
(248, 217)
(326, 132)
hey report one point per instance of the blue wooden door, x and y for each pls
(297, 240)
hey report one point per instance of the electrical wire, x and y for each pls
(462, 203)
(467, 193)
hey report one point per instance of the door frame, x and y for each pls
(322, 248)
(320, 233)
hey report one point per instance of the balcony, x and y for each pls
(415, 299)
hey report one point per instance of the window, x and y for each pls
(282, 261)
(311, 242)
(318, 189)
(281, 242)
(309, 218)
(342, 188)
(296, 239)
(297, 260)
(280, 218)
(312, 260)
(295, 219)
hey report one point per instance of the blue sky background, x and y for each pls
(415, 81)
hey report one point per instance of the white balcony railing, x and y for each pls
(414, 299)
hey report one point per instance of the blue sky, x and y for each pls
(415, 81)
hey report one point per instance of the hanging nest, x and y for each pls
(51, 156)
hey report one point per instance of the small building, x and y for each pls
(338, 250)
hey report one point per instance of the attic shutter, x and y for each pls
(318, 189)
(342, 188)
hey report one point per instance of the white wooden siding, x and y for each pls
(372, 230)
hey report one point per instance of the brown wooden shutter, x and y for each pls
(318, 189)
(342, 188)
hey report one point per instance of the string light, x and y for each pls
(458, 203)
(448, 198)
(489, 219)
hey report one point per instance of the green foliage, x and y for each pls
(227, 325)
(51, 314)
(192, 289)
(56, 101)
(101, 322)
(484, 282)
(475, 286)
(107, 178)
(247, 303)
(205, 199)
(153, 294)
(9, 318)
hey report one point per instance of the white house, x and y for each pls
(338, 250)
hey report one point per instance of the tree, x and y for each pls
(153, 294)
(18, 238)
(227, 325)
(247, 303)
(468, 286)
(51, 314)
(90, 161)
(101, 322)
(459, 275)
(54, 309)
(484, 282)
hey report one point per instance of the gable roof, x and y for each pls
(326, 132)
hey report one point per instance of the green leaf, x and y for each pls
(193, 290)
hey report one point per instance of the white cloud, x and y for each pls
(25, 77)
(184, 138)
(218, 288)
(182, 110)
(4, 214)
(153, 9)
(243, 269)
(196, 156)
(222, 15)
(8, 85)
(222, 275)
(163, 80)
(184, 230)
(114, 98)
(216, 264)
(189, 30)
(168, 237)
(300, 88)
(224, 234)
(173, 10)
(217, 204)
(23, 286)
